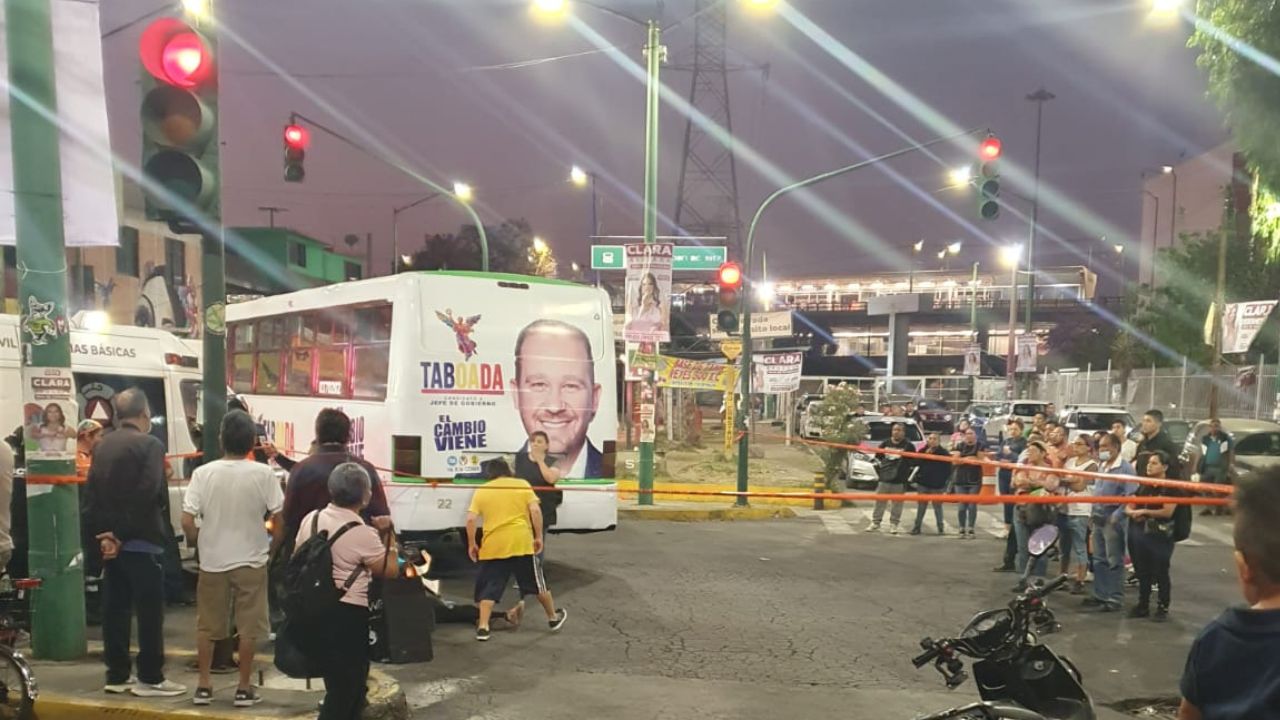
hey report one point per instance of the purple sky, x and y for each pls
(1129, 97)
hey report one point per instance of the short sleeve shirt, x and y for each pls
(232, 499)
(357, 547)
(503, 507)
(1233, 669)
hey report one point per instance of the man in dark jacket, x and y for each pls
(126, 508)
(308, 486)
(1155, 439)
(932, 480)
(895, 471)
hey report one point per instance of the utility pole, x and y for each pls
(271, 211)
(1219, 308)
(653, 55)
(1039, 97)
(53, 498)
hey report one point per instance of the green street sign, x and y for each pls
(687, 257)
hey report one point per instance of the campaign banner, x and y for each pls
(1027, 350)
(776, 373)
(49, 413)
(689, 374)
(87, 170)
(648, 292)
(1241, 323)
(973, 360)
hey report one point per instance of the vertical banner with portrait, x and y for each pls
(648, 292)
(1241, 323)
(973, 360)
(648, 399)
(49, 415)
(777, 373)
(1027, 349)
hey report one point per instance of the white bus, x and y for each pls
(438, 372)
(165, 367)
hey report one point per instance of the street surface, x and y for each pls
(807, 618)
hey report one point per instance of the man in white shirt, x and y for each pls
(232, 497)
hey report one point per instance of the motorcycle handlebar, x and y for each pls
(931, 651)
(1049, 588)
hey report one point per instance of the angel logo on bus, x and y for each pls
(462, 329)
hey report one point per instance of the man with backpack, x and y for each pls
(231, 497)
(327, 590)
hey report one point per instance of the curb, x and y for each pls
(386, 701)
(629, 489)
(704, 515)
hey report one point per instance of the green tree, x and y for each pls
(833, 418)
(511, 250)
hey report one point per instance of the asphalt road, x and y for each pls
(803, 618)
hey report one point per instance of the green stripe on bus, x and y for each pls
(505, 277)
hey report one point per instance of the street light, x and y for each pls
(960, 176)
(196, 8)
(1166, 8)
(463, 191)
(539, 245)
(551, 7)
(954, 248)
(578, 176)
(911, 272)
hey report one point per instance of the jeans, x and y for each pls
(346, 664)
(1078, 528)
(1152, 555)
(133, 583)
(1004, 481)
(1108, 560)
(895, 510)
(968, 511)
(937, 508)
(1023, 533)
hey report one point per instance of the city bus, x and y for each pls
(440, 371)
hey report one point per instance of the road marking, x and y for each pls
(836, 525)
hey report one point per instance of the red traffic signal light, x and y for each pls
(990, 148)
(729, 276)
(176, 54)
(297, 137)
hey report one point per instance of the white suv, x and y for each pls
(1024, 410)
(1088, 419)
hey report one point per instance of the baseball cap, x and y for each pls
(88, 426)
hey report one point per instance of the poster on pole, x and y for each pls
(648, 293)
(49, 414)
(1241, 323)
(776, 373)
(973, 360)
(87, 169)
(1027, 347)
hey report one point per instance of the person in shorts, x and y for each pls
(232, 498)
(511, 516)
(1233, 669)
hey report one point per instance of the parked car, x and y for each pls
(808, 426)
(978, 413)
(934, 415)
(1257, 445)
(1179, 430)
(802, 405)
(863, 467)
(1024, 410)
(1088, 419)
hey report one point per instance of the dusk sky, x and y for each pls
(417, 76)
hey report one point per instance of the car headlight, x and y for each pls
(864, 457)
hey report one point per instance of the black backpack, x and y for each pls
(1181, 523)
(310, 595)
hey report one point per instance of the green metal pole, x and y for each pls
(53, 510)
(213, 295)
(744, 369)
(653, 49)
(973, 301)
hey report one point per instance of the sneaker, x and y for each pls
(1004, 569)
(203, 696)
(894, 529)
(873, 527)
(120, 688)
(482, 634)
(246, 698)
(1140, 611)
(561, 616)
(915, 531)
(1109, 607)
(1091, 602)
(166, 688)
(942, 530)
(1161, 614)
(1077, 588)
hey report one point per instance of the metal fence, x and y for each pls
(957, 391)
(1243, 391)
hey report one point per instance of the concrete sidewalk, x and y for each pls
(700, 511)
(73, 690)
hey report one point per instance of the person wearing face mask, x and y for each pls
(1151, 543)
(1109, 528)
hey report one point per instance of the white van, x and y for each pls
(157, 362)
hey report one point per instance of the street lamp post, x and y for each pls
(1155, 237)
(1172, 172)
(744, 368)
(911, 272)
(1039, 97)
(461, 191)
(581, 178)
(1011, 255)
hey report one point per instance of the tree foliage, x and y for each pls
(510, 251)
(833, 418)
(1248, 93)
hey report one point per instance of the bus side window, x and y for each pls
(371, 349)
(270, 336)
(331, 355)
(242, 348)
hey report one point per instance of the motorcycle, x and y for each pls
(1018, 678)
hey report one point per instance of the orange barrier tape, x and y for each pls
(55, 480)
(1155, 482)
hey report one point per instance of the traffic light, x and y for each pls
(729, 278)
(987, 179)
(296, 139)
(179, 124)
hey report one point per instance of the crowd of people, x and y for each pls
(245, 528)
(1092, 536)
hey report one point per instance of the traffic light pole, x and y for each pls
(744, 370)
(653, 57)
(53, 503)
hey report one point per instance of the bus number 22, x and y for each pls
(444, 504)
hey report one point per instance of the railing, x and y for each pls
(956, 305)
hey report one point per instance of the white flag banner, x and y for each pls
(648, 293)
(89, 206)
(776, 373)
(1241, 323)
(973, 360)
(1027, 348)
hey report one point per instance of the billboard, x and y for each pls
(774, 373)
(1241, 323)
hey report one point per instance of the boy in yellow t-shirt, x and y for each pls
(512, 518)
